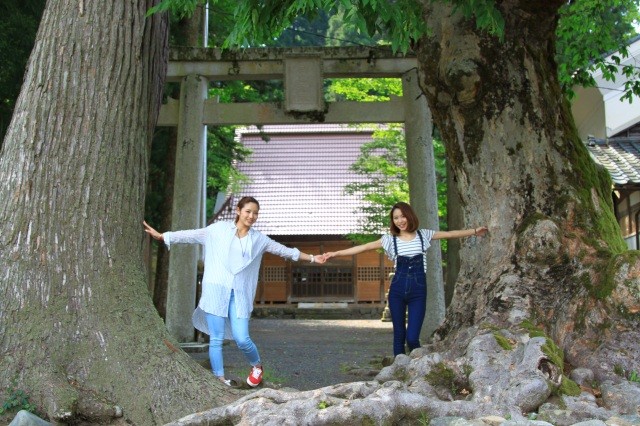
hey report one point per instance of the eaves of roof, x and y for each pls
(619, 156)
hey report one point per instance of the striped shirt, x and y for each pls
(407, 248)
(221, 274)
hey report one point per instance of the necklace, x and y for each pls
(245, 247)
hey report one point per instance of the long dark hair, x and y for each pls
(243, 202)
(407, 212)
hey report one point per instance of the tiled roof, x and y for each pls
(298, 177)
(620, 156)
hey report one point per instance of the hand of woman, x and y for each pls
(149, 230)
(481, 231)
(328, 255)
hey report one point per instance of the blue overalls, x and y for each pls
(408, 292)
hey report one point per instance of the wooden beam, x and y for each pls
(268, 63)
(217, 114)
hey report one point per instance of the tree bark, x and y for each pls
(78, 331)
(554, 254)
(454, 221)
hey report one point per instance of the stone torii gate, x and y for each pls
(303, 71)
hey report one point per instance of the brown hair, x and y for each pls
(243, 202)
(407, 211)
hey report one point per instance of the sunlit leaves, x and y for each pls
(364, 89)
(587, 31)
(400, 21)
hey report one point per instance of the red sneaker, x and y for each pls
(255, 377)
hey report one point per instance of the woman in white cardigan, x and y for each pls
(232, 255)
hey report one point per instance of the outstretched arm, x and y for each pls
(281, 250)
(355, 250)
(154, 234)
(480, 232)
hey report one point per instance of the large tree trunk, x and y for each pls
(554, 254)
(78, 331)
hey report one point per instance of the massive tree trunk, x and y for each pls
(554, 254)
(78, 331)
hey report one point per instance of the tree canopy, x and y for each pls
(587, 29)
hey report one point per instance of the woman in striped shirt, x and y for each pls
(406, 245)
(232, 255)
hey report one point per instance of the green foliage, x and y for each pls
(554, 352)
(399, 22)
(341, 32)
(441, 375)
(424, 419)
(16, 400)
(323, 404)
(587, 30)
(618, 370)
(446, 377)
(533, 330)
(550, 349)
(502, 341)
(179, 8)
(247, 91)
(467, 369)
(363, 89)
(631, 376)
(487, 16)
(268, 377)
(568, 387)
(306, 30)
(616, 263)
(383, 162)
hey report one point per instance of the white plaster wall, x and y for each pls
(599, 111)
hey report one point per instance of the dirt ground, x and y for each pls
(309, 354)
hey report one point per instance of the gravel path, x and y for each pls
(309, 354)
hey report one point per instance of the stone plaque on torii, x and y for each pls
(303, 70)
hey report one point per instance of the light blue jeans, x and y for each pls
(240, 332)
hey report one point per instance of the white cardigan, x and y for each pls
(219, 279)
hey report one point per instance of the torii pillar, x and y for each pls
(187, 207)
(423, 191)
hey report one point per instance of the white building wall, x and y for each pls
(607, 116)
